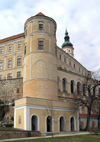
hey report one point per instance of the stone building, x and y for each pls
(50, 77)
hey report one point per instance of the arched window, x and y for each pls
(99, 93)
(19, 61)
(72, 125)
(64, 84)
(94, 91)
(34, 122)
(61, 124)
(78, 88)
(84, 89)
(72, 86)
(49, 124)
(58, 83)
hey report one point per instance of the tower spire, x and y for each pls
(67, 46)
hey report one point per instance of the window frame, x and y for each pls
(40, 26)
(18, 74)
(1, 65)
(40, 46)
(19, 61)
(9, 76)
(9, 63)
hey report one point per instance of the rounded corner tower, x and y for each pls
(40, 62)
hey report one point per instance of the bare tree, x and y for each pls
(88, 96)
(52, 115)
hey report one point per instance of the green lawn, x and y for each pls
(7, 128)
(83, 138)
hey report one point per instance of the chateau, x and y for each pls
(46, 75)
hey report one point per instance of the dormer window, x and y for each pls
(40, 26)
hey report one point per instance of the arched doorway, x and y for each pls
(34, 122)
(49, 124)
(61, 124)
(72, 125)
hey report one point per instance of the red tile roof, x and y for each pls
(12, 37)
(40, 14)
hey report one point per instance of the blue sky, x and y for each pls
(80, 17)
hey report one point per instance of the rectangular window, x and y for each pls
(1, 50)
(19, 46)
(74, 65)
(10, 48)
(40, 26)
(9, 64)
(65, 59)
(60, 56)
(19, 74)
(0, 65)
(25, 50)
(19, 62)
(9, 76)
(40, 45)
(70, 63)
(26, 32)
(0, 77)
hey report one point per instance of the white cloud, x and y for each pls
(82, 19)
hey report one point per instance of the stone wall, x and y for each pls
(10, 90)
(8, 134)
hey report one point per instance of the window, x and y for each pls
(9, 76)
(19, 74)
(79, 69)
(19, 62)
(40, 26)
(60, 56)
(10, 48)
(19, 46)
(78, 88)
(0, 77)
(64, 84)
(74, 65)
(1, 50)
(9, 64)
(65, 59)
(84, 89)
(70, 63)
(40, 45)
(25, 50)
(99, 93)
(26, 32)
(0, 65)
(72, 86)
(58, 83)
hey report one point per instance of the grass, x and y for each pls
(83, 138)
(6, 128)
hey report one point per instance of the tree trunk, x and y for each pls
(88, 120)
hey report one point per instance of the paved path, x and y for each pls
(57, 135)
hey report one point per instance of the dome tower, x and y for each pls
(67, 45)
(40, 69)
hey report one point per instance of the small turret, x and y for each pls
(67, 45)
